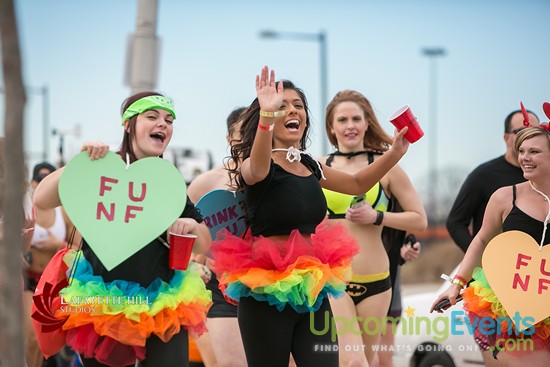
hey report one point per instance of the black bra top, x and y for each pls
(518, 220)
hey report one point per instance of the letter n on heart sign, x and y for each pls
(519, 274)
(119, 210)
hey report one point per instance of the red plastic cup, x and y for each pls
(404, 117)
(181, 246)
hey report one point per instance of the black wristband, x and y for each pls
(379, 218)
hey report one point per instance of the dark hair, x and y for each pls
(508, 119)
(375, 138)
(233, 118)
(126, 145)
(250, 119)
(36, 175)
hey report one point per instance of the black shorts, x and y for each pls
(220, 307)
(31, 280)
(359, 290)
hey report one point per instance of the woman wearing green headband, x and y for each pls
(149, 137)
(178, 299)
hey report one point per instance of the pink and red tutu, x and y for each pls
(111, 322)
(300, 272)
(480, 301)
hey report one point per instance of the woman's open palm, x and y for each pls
(270, 95)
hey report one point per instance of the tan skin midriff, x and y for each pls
(372, 257)
(40, 258)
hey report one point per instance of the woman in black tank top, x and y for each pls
(283, 270)
(122, 331)
(525, 208)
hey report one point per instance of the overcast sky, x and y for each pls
(497, 55)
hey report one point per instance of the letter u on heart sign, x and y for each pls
(119, 210)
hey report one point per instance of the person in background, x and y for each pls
(39, 172)
(223, 339)
(352, 127)
(282, 271)
(521, 207)
(482, 182)
(222, 317)
(52, 232)
(26, 233)
(178, 300)
(470, 203)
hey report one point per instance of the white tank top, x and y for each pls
(58, 229)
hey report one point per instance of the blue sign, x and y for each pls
(223, 209)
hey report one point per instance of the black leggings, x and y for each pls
(175, 353)
(269, 336)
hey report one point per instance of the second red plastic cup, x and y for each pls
(404, 117)
(181, 246)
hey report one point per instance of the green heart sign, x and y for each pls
(118, 209)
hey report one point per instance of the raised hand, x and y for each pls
(400, 144)
(270, 96)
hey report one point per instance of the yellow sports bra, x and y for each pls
(337, 203)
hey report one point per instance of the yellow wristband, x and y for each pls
(272, 114)
(459, 282)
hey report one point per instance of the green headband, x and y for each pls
(147, 103)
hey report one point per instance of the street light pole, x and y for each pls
(143, 48)
(44, 92)
(433, 53)
(323, 57)
(320, 37)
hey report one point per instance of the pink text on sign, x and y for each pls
(523, 282)
(108, 211)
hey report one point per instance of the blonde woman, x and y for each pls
(522, 207)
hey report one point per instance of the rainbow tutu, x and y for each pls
(480, 301)
(300, 272)
(112, 321)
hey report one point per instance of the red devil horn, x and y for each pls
(546, 109)
(525, 115)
